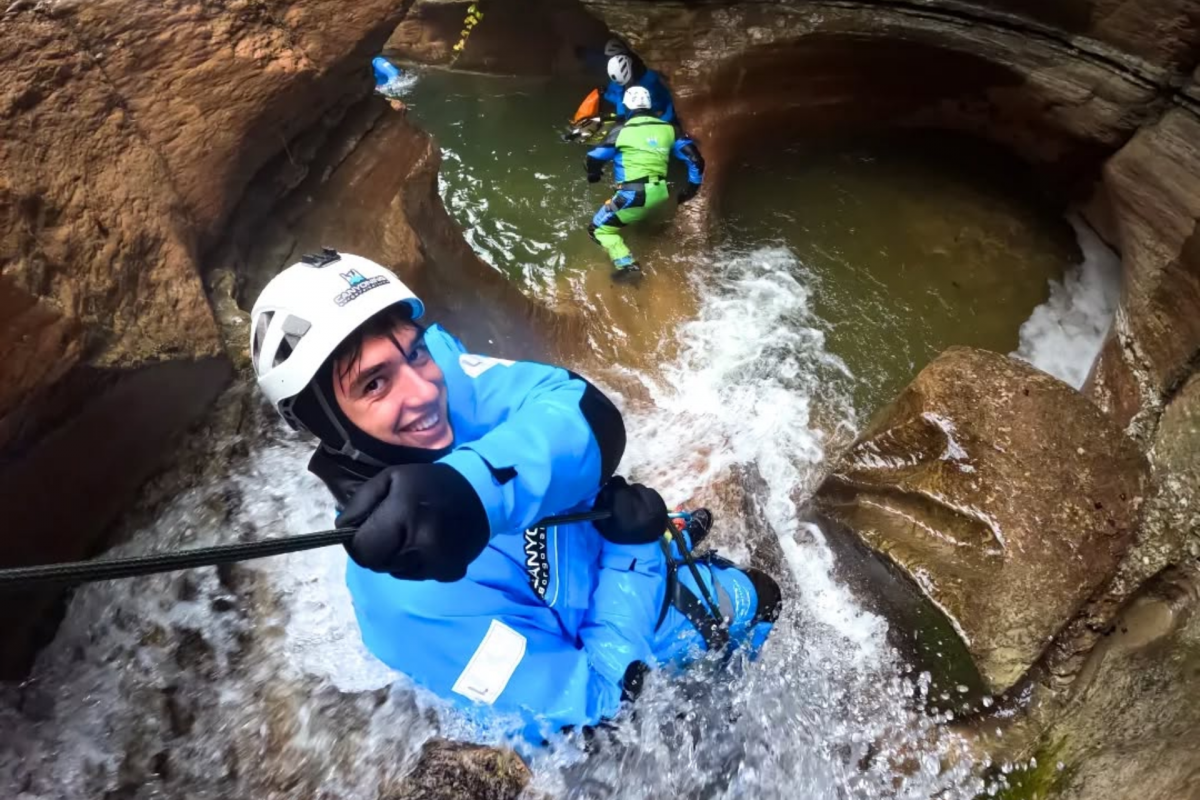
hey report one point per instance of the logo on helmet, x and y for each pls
(358, 286)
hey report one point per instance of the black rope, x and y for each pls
(76, 572)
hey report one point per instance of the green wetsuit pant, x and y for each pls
(626, 207)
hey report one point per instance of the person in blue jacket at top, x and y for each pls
(445, 461)
(627, 70)
(389, 82)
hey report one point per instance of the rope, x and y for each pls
(75, 572)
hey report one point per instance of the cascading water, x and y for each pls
(252, 681)
(1064, 334)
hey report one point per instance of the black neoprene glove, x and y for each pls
(594, 177)
(687, 193)
(417, 522)
(638, 513)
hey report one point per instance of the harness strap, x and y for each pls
(685, 601)
(640, 184)
(693, 609)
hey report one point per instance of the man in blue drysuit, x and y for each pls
(626, 71)
(445, 461)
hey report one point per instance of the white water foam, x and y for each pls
(398, 86)
(751, 378)
(1064, 335)
(321, 635)
(828, 711)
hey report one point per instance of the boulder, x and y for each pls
(1001, 495)
(1125, 728)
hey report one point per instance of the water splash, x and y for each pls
(253, 681)
(399, 86)
(1064, 335)
(829, 711)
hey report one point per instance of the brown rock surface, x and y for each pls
(95, 250)
(1159, 35)
(1127, 726)
(1153, 184)
(1173, 515)
(1001, 493)
(1168, 533)
(461, 771)
(219, 88)
(1129, 729)
(128, 131)
(96, 280)
(531, 37)
(760, 74)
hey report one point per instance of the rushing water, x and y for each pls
(253, 681)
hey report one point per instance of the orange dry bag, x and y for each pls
(590, 107)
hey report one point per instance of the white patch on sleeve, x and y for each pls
(493, 664)
(477, 365)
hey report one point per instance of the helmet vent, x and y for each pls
(260, 334)
(285, 350)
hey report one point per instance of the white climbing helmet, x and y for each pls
(637, 98)
(307, 310)
(620, 69)
(616, 47)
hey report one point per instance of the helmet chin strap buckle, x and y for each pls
(355, 454)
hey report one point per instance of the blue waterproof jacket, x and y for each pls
(385, 71)
(547, 621)
(682, 146)
(660, 96)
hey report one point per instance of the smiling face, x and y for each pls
(393, 391)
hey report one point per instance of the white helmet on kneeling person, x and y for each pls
(637, 98)
(620, 69)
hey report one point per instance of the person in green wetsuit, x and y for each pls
(639, 149)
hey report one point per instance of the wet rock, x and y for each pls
(534, 37)
(180, 712)
(194, 654)
(1128, 724)
(1153, 185)
(129, 133)
(1167, 532)
(998, 492)
(1173, 515)
(450, 770)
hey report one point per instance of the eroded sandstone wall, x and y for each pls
(128, 132)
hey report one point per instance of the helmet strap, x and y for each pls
(347, 449)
